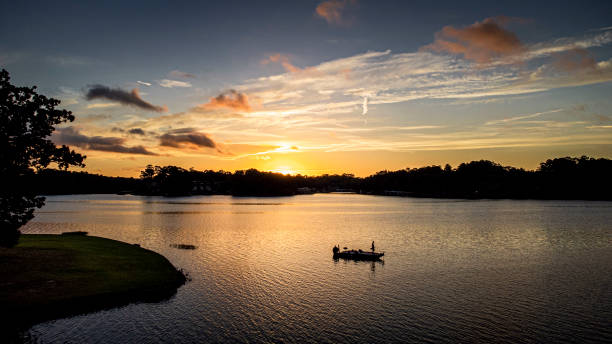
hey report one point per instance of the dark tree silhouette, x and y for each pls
(26, 120)
(560, 178)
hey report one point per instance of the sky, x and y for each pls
(318, 87)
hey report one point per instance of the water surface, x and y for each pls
(262, 270)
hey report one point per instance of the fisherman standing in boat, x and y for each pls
(372, 246)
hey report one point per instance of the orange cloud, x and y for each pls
(229, 99)
(575, 60)
(479, 42)
(283, 60)
(332, 10)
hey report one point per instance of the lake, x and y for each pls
(262, 271)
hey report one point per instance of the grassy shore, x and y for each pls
(53, 276)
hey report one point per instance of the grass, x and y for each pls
(53, 276)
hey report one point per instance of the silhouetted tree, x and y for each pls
(26, 120)
(148, 172)
(561, 178)
(580, 178)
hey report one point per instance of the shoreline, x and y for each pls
(49, 276)
(400, 194)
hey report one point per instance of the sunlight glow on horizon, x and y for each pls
(284, 170)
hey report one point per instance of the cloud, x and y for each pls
(522, 117)
(568, 70)
(173, 83)
(192, 138)
(121, 96)
(68, 96)
(186, 130)
(200, 112)
(333, 11)
(148, 84)
(322, 111)
(283, 60)
(229, 99)
(560, 45)
(179, 74)
(101, 105)
(71, 136)
(136, 131)
(480, 42)
(574, 60)
(364, 106)
(133, 131)
(93, 118)
(385, 77)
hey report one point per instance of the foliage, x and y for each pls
(560, 178)
(60, 182)
(26, 120)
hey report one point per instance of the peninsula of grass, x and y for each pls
(54, 276)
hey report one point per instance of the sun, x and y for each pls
(284, 170)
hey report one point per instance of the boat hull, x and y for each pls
(357, 255)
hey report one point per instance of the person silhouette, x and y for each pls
(372, 246)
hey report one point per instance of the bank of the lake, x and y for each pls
(54, 276)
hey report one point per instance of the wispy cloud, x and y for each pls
(101, 105)
(183, 75)
(173, 83)
(386, 77)
(321, 111)
(283, 60)
(93, 118)
(126, 98)
(148, 84)
(560, 45)
(521, 117)
(68, 96)
(364, 106)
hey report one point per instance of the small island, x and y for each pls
(48, 277)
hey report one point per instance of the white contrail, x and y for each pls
(365, 106)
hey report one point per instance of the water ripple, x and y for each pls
(454, 270)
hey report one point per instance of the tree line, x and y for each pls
(560, 178)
